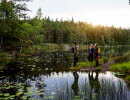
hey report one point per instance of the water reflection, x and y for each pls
(47, 77)
(75, 86)
(67, 86)
(94, 84)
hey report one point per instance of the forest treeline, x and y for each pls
(19, 30)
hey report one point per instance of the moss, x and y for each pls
(121, 67)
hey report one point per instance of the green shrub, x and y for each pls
(122, 67)
(83, 64)
(120, 59)
(3, 54)
(128, 78)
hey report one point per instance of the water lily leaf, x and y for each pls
(33, 81)
(31, 99)
(45, 97)
(11, 96)
(52, 85)
(2, 76)
(51, 97)
(28, 93)
(7, 83)
(47, 89)
(58, 89)
(41, 93)
(19, 93)
(24, 97)
(19, 84)
(77, 96)
(6, 98)
(63, 90)
(20, 90)
(53, 92)
(37, 91)
(41, 82)
(8, 87)
(1, 94)
(2, 87)
(7, 94)
(41, 90)
(36, 94)
(21, 77)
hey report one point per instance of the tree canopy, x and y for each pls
(17, 29)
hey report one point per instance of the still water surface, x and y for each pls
(47, 77)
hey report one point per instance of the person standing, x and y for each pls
(96, 54)
(75, 53)
(91, 52)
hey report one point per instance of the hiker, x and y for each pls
(91, 52)
(75, 51)
(96, 54)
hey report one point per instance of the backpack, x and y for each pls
(99, 50)
(72, 50)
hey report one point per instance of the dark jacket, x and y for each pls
(96, 50)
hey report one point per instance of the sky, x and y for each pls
(96, 12)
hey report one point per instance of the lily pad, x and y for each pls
(51, 97)
(7, 94)
(58, 89)
(47, 89)
(53, 92)
(52, 85)
(19, 93)
(41, 93)
(1, 94)
(11, 96)
(24, 97)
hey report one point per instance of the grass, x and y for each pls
(89, 64)
(98, 68)
(83, 64)
(127, 78)
(121, 67)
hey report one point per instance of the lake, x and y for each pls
(47, 77)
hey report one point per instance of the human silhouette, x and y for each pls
(75, 51)
(75, 84)
(95, 85)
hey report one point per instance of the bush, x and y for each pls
(122, 67)
(120, 59)
(127, 78)
(3, 54)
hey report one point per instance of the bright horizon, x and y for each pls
(103, 12)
